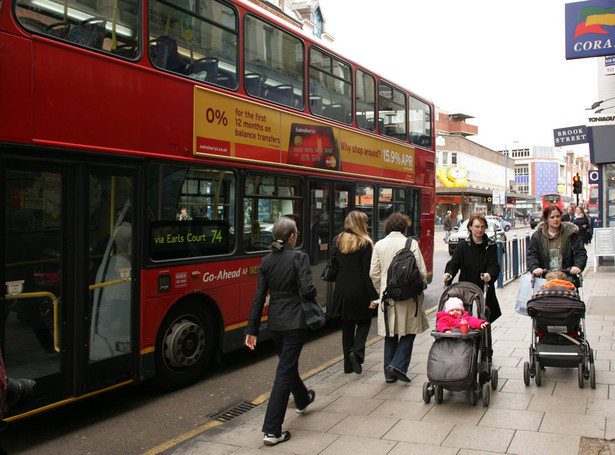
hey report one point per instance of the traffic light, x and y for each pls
(577, 185)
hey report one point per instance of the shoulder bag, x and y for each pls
(329, 273)
(314, 315)
(528, 285)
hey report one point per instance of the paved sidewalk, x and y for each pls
(361, 414)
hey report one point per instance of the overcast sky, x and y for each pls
(501, 62)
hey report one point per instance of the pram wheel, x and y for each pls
(592, 375)
(438, 394)
(474, 396)
(486, 394)
(526, 373)
(538, 373)
(494, 379)
(580, 375)
(588, 361)
(426, 392)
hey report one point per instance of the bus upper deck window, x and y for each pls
(94, 25)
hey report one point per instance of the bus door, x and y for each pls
(111, 314)
(66, 310)
(329, 205)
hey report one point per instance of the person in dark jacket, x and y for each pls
(581, 220)
(448, 225)
(354, 295)
(556, 245)
(477, 259)
(284, 273)
(569, 215)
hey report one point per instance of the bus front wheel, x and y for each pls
(184, 345)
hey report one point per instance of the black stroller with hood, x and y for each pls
(462, 361)
(558, 335)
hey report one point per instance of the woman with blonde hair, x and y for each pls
(354, 294)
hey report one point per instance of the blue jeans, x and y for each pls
(288, 345)
(397, 353)
(447, 234)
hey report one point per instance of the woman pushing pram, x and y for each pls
(558, 312)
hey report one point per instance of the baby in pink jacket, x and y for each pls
(452, 315)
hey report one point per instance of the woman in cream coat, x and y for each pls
(406, 318)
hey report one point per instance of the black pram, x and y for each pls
(558, 335)
(462, 361)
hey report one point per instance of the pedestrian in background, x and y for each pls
(581, 220)
(405, 318)
(569, 215)
(354, 296)
(286, 283)
(448, 225)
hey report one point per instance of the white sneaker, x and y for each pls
(271, 439)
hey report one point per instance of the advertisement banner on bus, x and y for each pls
(229, 126)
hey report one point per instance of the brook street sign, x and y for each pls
(570, 136)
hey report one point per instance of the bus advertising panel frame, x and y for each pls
(233, 127)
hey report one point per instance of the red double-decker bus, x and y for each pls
(146, 150)
(557, 199)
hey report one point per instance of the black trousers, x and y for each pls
(288, 345)
(354, 336)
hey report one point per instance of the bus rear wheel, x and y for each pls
(184, 346)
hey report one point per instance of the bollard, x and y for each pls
(515, 258)
(500, 276)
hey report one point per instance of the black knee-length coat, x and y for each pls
(472, 259)
(354, 290)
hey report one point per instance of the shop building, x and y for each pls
(469, 177)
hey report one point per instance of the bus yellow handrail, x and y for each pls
(54, 299)
(107, 283)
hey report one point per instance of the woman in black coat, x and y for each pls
(477, 258)
(284, 273)
(581, 220)
(354, 296)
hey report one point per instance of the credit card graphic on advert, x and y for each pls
(313, 146)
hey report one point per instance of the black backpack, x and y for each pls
(404, 280)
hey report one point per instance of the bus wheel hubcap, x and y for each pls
(184, 344)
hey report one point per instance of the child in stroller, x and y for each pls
(558, 331)
(453, 315)
(461, 361)
(557, 278)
